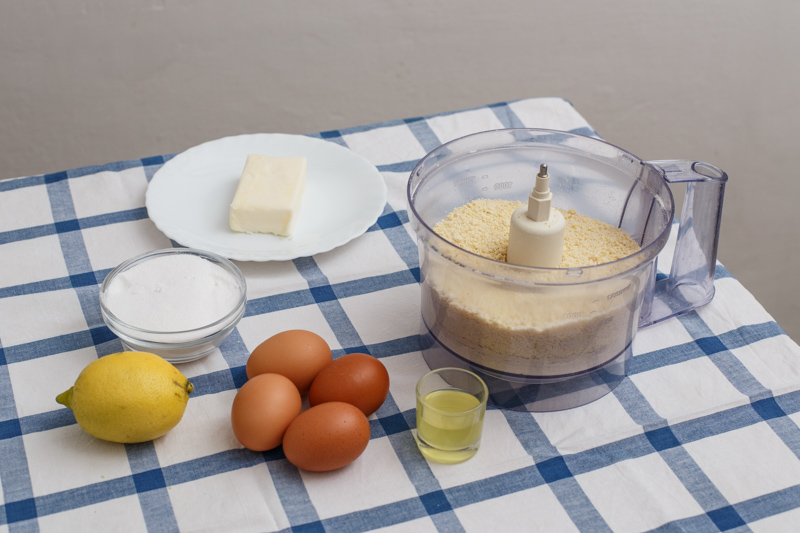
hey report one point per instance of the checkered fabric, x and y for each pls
(702, 436)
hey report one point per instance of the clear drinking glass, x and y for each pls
(451, 404)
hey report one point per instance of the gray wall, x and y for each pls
(94, 81)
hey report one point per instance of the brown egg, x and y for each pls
(263, 409)
(357, 378)
(297, 354)
(326, 437)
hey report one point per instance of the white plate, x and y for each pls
(188, 199)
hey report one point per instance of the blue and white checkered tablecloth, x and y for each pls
(702, 436)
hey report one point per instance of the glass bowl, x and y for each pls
(181, 344)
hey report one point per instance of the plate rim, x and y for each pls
(192, 241)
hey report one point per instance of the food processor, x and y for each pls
(548, 338)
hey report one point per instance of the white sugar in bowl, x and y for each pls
(178, 303)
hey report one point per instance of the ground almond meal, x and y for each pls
(538, 330)
(481, 227)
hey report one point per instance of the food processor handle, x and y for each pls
(691, 279)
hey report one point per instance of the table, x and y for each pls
(702, 436)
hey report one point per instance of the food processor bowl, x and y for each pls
(547, 339)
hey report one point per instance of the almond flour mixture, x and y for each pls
(481, 227)
(536, 330)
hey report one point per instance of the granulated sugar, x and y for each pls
(173, 293)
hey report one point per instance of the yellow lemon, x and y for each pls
(128, 397)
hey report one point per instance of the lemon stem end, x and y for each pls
(65, 398)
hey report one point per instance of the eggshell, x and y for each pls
(357, 378)
(297, 354)
(326, 437)
(263, 409)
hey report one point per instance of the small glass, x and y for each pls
(451, 404)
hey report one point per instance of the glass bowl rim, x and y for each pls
(231, 318)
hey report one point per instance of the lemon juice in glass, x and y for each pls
(451, 404)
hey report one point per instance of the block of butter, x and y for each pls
(269, 194)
